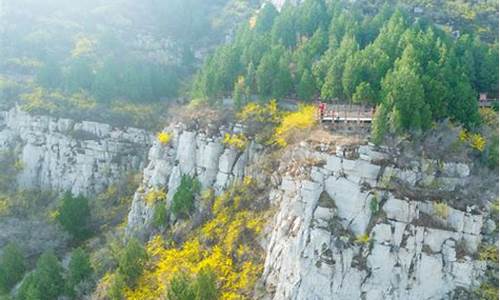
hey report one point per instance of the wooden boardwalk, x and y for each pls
(346, 113)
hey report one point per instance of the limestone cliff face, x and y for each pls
(343, 228)
(64, 155)
(189, 152)
(412, 254)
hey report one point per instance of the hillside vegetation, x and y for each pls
(334, 50)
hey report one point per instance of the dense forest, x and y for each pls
(333, 50)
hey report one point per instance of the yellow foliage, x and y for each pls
(489, 116)
(463, 135)
(302, 119)
(155, 195)
(83, 46)
(495, 206)
(362, 239)
(475, 140)
(252, 22)
(225, 244)
(4, 206)
(260, 113)
(489, 253)
(440, 209)
(238, 141)
(163, 137)
(53, 215)
(487, 292)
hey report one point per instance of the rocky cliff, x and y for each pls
(190, 152)
(341, 232)
(346, 226)
(59, 154)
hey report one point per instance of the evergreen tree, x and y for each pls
(131, 262)
(74, 215)
(306, 86)
(79, 75)
(311, 15)
(181, 288)
(206, 285)
(265, 74)
(49, 75)
(364, 94)
(115, 291)
(183, 200)
(12, 267)
(239, 93)
(265, 18)
(250, 79)
(463, 106)
(79, 270)
(404, 96)
(46, 282)
(380, 124)
(282, 79)
(283, 30)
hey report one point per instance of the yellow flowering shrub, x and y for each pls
(260, 113)
(302, 119)
(362, 239)
(83, 46)
(155, 195)
(238, 141)
(440, 209)
(475, 140)
(489, 253)
(4, 206)
(225, 244)
(260, 120)
(163, 138)
(252, 22)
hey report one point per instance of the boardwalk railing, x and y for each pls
(346, 113)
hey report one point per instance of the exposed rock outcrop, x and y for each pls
(64, 155)
(192, 153)
(319, 247)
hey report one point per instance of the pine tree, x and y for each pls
(181, 288)
(131, 262)
(306, 86)
(364, 94)
(79, 270)
(183, 200)
(206, 285)
(12, 267)
(265, 18)
(74, 215)
(46, 282)
(404, 96)
(284, 28)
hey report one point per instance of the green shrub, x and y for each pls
(74, 216)
(79, 270)
(181, 288)
(160, 215)
(46, 282)
(131, 261)
(203, 287)
(183, 201)
(12, 267)
(374, 205)
(115, 291)
(206, 285)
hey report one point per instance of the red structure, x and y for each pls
(485, 101)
